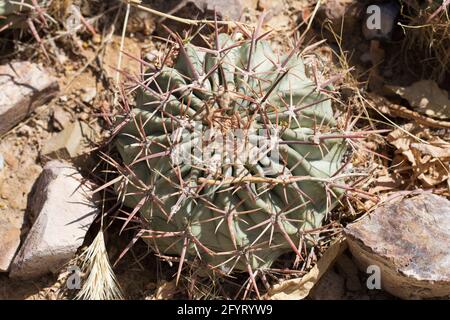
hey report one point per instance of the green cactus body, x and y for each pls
(7, 8)
(233, 215)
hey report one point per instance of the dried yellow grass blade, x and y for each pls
(101, 283)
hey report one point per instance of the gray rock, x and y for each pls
(347, 268)
(195, 9)
(337, 15)
(330, 287)
(60, 118)
(64, 213)
(388, 13)
(408, 239)
(23, 87)
(88, 94)
(9, 243)
(69, 143)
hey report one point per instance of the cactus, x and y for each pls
(238, 214)
(8, 7)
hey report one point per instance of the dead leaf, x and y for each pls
(426, 97)
(385, 182)
(420, 155)
(299, 288)
(432, 150)
(166, 290)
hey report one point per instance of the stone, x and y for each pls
(69, 143)
(140, 21)
(60, 118)
(194, 9)
(330, 287)
(389, 12)
(337, 15)
(263, 5)
(346, 267)
(9, 243)
(250, 4)
(64, 211)
(88, 94)
(408, 239)
(23, 87)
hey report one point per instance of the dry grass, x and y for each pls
(426, 47)
(101, 283)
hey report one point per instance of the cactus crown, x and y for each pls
(230, 153)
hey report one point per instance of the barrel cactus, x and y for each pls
(8, 7)
(239, 205)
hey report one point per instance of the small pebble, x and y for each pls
(88, 94)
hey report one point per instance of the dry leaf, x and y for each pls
(441, 152)
(166, 290)
(299, 288)
(428, 160)
(427, 98)
(385, 182)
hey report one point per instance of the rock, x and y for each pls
(2, 162)
(388, 13)
(347, 268)
(23, 87)
(408, 240)
(195, 9)
(69, 143)
(277, 15)
(263, 5)
(9, 243)
(11, 160)
(88, 94)
(25, 131)
(330, 287)
(427, 98)
(337, 15)
(249, 4)
(64, 213)
(60, 119)
(141, 21)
